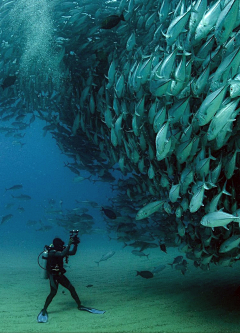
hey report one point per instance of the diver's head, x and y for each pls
(58, 244)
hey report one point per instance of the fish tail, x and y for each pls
(137, 273)
(122, 17)
(147, 255)
(224, 189)
(171, 265)
(210, 155)
(97, 262)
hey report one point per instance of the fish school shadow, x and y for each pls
(207, 298)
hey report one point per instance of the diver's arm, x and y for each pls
(73, 251)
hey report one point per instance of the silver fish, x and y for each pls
(106, 257)
(218, 219)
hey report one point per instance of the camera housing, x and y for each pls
(74, 236)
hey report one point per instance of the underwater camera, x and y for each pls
(74, 236)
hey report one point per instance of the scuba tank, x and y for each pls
(44, 262)
(44, 266)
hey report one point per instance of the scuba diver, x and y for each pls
(55, 271)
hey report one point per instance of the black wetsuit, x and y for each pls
(56, 273)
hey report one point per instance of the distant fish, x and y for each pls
(182, 267)
(106, 257)
(177, 260)
(45, 228)
(196, 264)
(91, 203)
(79, 179)
(149, 209)
(31, 222)
(162, 246)
(139, 253)
(21, 210)
(89, 285)
(109, 213)
(147, 245)
(111, 21)
(145, 274)
(80, 210)
(6, 218)
(9, 205)
(8, 81)
(23, 197)
(229, 244)
(55, 211)
(13, 188)
(158, 269)
(99, 231)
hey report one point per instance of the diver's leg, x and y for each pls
(53, 292)
(63, 280)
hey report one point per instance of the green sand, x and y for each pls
(169, 302)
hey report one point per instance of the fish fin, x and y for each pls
(91, 310)
(210, 155)
(234, 81)
(122, 17)
(204, 250)
(42, 317)
(165, 35)
(224, 189)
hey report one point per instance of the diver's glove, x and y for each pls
(77, 240)
(71, 241)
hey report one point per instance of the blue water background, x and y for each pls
(39, 166)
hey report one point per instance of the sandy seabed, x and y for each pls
(169, 302)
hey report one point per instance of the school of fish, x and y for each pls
(151, 88)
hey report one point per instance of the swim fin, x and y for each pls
(91, 310)
(42, 318)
